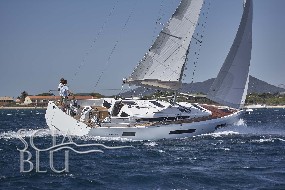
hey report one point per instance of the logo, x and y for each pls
(65, 146)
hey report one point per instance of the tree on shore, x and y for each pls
(23, 95)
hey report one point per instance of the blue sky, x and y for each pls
(42, 41)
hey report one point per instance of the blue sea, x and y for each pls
(247, 155)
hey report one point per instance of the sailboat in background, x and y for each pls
(162, 67)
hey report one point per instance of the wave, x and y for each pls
(69, 144)
(150, 144)
(240, 122)
(265, 140)
(47, 132)
(98, 138)
(241, 127)
(220, 133)
(30, 133)
(25, 133)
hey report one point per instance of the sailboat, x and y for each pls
(162, 67)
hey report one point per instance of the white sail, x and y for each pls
(163, 65)
(230, 86)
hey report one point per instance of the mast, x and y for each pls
(181, 75)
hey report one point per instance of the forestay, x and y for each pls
(230, 86)
(162, 66)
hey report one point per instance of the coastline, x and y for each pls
(22, 108)
(263, 106)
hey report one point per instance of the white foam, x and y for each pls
(262, 140)
(221, 133)
(98, 138)
(267, 140)
(150, 144)
(225, 149)
(280, 139)
(47, 132)
(84, 138)
(237, 128)
(241, 127)
(25, 133)
(240, 122)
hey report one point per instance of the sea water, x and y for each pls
(247, 155)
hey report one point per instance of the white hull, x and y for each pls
(57, 120)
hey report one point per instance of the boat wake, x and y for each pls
(242, 128)
(75, 147)
(24, 134)
(98, 138)
(42, 133)
(221, 133)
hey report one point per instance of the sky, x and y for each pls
(94, 44)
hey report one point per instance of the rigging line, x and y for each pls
(151, 47)
(203, 26)
(172, 40)
(160, 15)
(167, 67)
(116, 44)
(173, 53)
(200, 41)
(171, 35)
(96, 39)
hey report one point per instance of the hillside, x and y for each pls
(255, 86)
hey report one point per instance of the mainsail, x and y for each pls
(230, 86)
(162, 66)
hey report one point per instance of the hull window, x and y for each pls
(176, 132)
(129, 134)
(220, 126)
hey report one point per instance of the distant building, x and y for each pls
(42, 101)
(18, 101)
(6, 100)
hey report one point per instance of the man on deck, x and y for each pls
(60, 85)
(64, 91)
